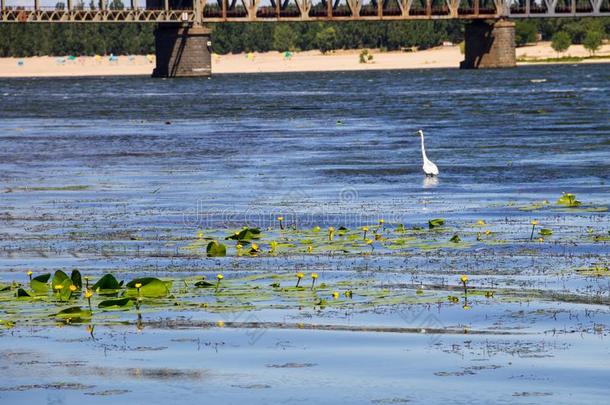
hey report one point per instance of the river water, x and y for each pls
(92, 167)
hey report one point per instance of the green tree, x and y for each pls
(285, 38)
(525, 32)
(592, 41)
(561, 41)
(326, 40)
(116, 5)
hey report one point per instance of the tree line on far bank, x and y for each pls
(20, 40)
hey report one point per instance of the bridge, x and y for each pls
(182, 37)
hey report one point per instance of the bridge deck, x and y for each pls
(305, 10)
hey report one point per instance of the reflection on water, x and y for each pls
(430, 181)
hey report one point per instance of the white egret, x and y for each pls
(429, 168)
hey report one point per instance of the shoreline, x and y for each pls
(442, 57)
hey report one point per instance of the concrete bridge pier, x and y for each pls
(182, 51)
(489, 45)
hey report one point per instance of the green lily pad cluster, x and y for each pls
(113, 294)
(149, 294)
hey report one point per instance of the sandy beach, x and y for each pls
(310, 61)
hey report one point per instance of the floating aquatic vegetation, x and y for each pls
(116, 303)
(545, 232)
(40, 283)
(254, 250)
(107, 285)
(599, 270)
(435, 223)
(148, 287)
(203, 284)
(569, 200)
(73, 315)
(246, 234)
(215, 249)
(21, 293)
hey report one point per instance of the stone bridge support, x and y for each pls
(489, 45)
(182, 51)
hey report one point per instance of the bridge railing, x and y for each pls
(294, 10)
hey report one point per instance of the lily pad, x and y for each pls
(64, 292)
(216, 249)
(116, 303)
(58, 278)
(435, 223)
(455, 239)
(21, 293)
(246, 234)
(76, 278)
(204, 284)
(545, 232)
(73, 314)
(108, 284)
(151, 287)
(39, 283)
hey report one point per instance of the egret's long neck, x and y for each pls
(423, 149)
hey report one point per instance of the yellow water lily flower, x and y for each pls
(481, 222)
(219, 276)
(314, 275)
(365, 228)
(72, 287)
(381, 221)
(59, 286)
(534, 223)
(88, 293)
(309, 249)
(299, 277)
(138, 285)
(29, 273)
(464, 279)
(220, 324)
(369, 241)
(280, 218)
(335, 295)
(487, 232)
